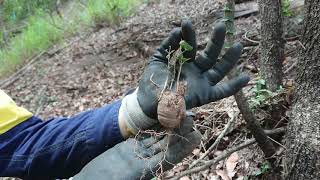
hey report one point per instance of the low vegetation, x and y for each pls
(32, 27)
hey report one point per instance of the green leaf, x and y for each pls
(185, 46)
(182, 59)
(255, 101)
(265, 167)
(230, 32)
(266, 92)
(286, 11)
(227, 45)
(226, 8)
(258, 173)
(261, 82)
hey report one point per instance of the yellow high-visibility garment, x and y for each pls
(10, 114)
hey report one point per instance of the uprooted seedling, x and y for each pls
(172, 106)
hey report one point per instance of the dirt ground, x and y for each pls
(99, 66)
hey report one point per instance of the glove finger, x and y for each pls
(159, 145)
(209, 56)
(228, 88)
(181, 149)
(173, 138)
(153, 166)
(174, 154)
(222, 68)
(185, 127)
(151, 140)
(171, 43)
(189, 35)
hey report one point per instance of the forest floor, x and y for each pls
(99, 66)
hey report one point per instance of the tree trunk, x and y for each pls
(272, 43)
(252, 123)
(302, 159)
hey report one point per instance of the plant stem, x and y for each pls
(252, 123)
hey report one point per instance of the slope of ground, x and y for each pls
(97, 67)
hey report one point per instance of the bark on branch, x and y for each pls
(252, 123)
(225, 154)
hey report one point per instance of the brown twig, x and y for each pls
(153, 81)
(216, 142)
(299, 42)
(250, 40)
(277, 142)
(291, 67)
(164, 88)
(225, 154)
(254, 126)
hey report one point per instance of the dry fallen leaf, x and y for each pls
(196, 152)
(231, 164)
(213, 177)
(229, 171)
(185, 178)
(223, 174)
(240, 178)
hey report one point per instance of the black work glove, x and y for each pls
(142, 159)
(202, 75)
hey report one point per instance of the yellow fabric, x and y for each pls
(10, 114)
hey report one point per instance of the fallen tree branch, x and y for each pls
(216, 142)
(254, 126)
(252, 123)
(225, 154)
(275, 131)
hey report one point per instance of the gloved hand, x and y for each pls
(202, 75)
(134, 159)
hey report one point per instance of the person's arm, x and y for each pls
(59, 147)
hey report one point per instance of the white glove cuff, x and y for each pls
(133, 115)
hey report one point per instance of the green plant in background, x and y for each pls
(261, 94)
(112, 11)
(264, 168)
(44, 29)
(15, 10)
(37, 36)
(286, 11)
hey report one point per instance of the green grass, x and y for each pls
(16, 10)
(42, 30)
(286, 11)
